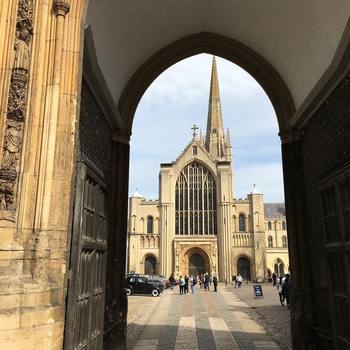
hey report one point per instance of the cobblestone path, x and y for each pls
(205, 321)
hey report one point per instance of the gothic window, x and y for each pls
(269, 225)
(149, 224)
(270, 241)
(283, 225)
(195, 201)
(279, 267)
(241, 222)
(194, 150)
(284, 241)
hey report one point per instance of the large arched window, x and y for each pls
(270, 242)
(241, 220)
(284, 242)
(149, 224)
(195, 201)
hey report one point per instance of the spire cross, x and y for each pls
(194, 128)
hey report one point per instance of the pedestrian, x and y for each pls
(199, 282)
(286, 287)
(239, 280)
(193, 283)
(215, 283)
(274, 277)
(172, 282)
(181, 284)
(279, 284)
(207, 281)
(234, 280)
(186, 284)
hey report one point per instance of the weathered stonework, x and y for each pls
(16, 111)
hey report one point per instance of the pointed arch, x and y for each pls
(205, 42)
(195, 201)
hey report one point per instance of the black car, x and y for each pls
(137, 284)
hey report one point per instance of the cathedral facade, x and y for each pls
(197, 225)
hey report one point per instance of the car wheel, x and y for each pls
(155, 292)
(128, 291)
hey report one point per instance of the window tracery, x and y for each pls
(195, 201)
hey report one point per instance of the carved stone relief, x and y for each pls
(16, 110)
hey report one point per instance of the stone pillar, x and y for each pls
(166, 245)
(301, 302)
(224, 241)
(258, 229)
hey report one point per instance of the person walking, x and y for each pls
(274, 278)
(234, 280)
(239, 280)
(286, 287)
(186, 284)
(181, 284)
(193, 283)
(207, 281)
(172, 282)
(279, 286)
(199, 281)
(215, 283)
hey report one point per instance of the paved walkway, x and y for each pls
(205, 321)
(268, 312)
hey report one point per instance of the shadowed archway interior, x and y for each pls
(195, 260)
(150, 265)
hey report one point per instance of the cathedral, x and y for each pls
(197, 225)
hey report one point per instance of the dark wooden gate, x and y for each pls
(88, 265)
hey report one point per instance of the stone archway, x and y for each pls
(52, 147)
(150, 265)
(243, 267)
(195, 259)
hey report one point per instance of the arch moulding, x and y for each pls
(219, 45)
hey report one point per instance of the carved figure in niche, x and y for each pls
(12, 145)
(6, 194)
(22, 55)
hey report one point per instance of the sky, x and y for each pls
(178, 98)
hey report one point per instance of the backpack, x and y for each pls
(194, 281)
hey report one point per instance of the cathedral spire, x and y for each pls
(215, 136)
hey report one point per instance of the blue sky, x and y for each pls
(178, 98)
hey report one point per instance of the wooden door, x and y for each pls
(85, 316)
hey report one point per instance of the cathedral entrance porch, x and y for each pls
(195, 258)
(196, 262)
